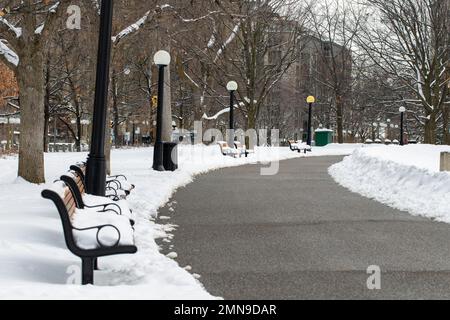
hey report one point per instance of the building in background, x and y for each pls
(319, 67)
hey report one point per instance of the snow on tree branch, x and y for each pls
(130, 29)
(141, 22)
(217, 115)
(200, 18)
(191, 80)
(9, 27)
(9, 55)
(230, 39)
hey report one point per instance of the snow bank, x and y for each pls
(36, 263)
(406, 178)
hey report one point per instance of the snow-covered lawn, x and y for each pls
(406, 178)
(35, 262)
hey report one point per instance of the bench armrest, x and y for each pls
(114, 196)
(115, 184)
(105, 207)
(99, 228)
(116, 177)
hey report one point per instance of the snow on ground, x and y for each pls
(35, 263)
(406, 178)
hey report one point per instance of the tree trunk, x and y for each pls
(251, 124)
(46, 107)
(108, 143)
(445, 127)
(118, 141)
(251, 120)
(430, 129)
(46, 124)
(117, 138)
(339, 119)
(30, 78)
(79, 133)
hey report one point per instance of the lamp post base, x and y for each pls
(96, 175)
(158, 164)
(159, 168)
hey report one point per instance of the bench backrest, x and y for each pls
(69, 202)
(238, 145)
(223, 145)
(80, 182)
(76, 185)
(80, 171)
(65, 204)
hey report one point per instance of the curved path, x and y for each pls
(299, 235)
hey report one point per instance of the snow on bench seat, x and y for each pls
(108, 236)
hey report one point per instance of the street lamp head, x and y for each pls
(402, 109)
(232, 86)
(162, 58)
(311, 99)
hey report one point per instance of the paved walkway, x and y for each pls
(299, 235)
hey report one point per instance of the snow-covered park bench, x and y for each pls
(90, 234)
(242, 149)
(299, 146)
(117, 186)
(86, 201)
(226, 150)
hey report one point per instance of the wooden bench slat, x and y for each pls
(68, 201)
(71, 211)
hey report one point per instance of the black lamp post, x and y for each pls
(232, 87)
(310, 100)
(162, 60)
(402, 111)
(96, 162)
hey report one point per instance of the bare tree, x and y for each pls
(25, 28)
(410, 43)
(267, 44)
(336, 24)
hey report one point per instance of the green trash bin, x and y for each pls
(324, 137)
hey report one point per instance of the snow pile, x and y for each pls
(406, 178)
(36, 263)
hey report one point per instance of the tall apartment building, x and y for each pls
(320, 65)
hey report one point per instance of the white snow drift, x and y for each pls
(406, 178)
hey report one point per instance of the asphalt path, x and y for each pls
(299, 235)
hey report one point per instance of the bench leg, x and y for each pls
(87, 271)
(96, 264)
